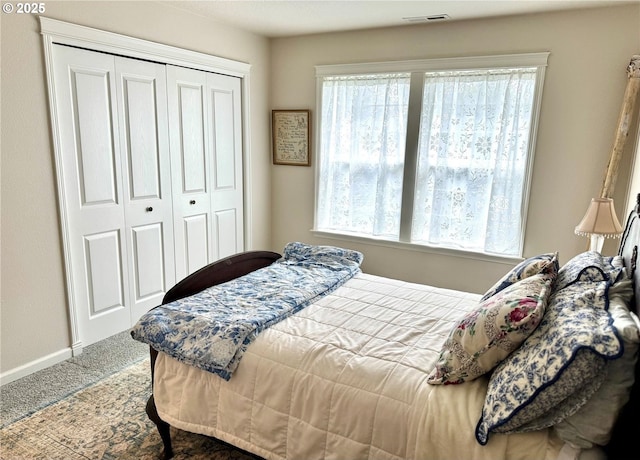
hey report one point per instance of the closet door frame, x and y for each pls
(59, 32)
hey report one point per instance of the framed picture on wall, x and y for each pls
(291, 135)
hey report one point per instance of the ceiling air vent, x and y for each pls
(433, 17)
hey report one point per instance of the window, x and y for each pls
(436, 153)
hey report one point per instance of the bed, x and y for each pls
(541, 366)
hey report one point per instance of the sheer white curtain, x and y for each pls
(472, 165)
(364, 120)
(472, 159)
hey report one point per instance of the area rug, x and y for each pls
(107, 421)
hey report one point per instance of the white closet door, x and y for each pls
(224, 99)
(144, 144)
(205, 125)
(190, 164)
(149, 170)
(151, 181)
(116, 187)
(92, 190)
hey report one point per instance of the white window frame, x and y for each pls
(511, 61)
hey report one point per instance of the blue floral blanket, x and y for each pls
(212, 329)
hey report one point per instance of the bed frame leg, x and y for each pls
(163, 428)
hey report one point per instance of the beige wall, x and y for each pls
(584, 86)
(34, 317)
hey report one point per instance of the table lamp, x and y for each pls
(599, 222)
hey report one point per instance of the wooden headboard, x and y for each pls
(624, 443)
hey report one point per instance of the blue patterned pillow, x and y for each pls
(557, 369)
(303, 252)
(593, 423)
(543, 263)
(590, 266)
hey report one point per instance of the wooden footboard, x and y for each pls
(220, 272)
(215, 273)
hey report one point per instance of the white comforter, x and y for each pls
(345, 378)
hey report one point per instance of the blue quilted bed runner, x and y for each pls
(212, 329)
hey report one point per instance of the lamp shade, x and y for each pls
(600, 219)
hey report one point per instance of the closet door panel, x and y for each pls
(91, 98)
(223, 140)
(91, 191)
(190, 165)
(226, 231)
(196, 241)
(142, 109)
(139, 98)
(192, 139)
(227, 196)
(148, 261)
(104, 267)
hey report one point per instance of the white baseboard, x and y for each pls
(34, 366)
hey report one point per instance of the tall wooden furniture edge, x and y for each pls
(215, 273)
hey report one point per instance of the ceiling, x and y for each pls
(282, 18)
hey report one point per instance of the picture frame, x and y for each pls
(291, 133)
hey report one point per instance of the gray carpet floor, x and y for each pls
(25, 396)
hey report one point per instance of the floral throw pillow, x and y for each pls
(486, 335)
(543, 263)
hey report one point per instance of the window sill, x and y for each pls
(450, 252)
